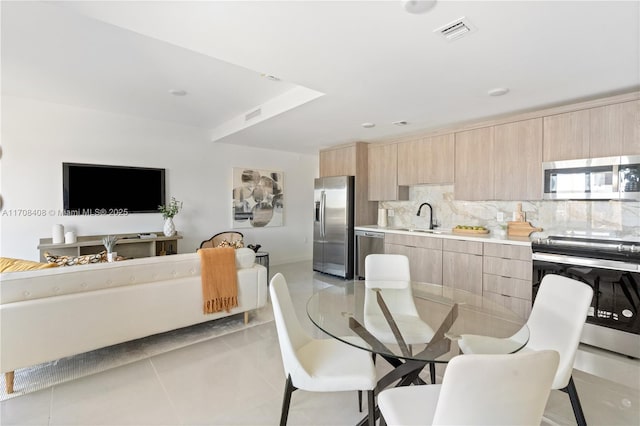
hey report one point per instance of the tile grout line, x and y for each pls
(166, 393)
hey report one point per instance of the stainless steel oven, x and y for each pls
(612, 269)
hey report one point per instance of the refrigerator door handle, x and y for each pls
(323, 200)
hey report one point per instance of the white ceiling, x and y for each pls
(340, 63)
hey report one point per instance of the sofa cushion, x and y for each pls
(8, 264)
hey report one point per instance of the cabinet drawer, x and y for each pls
(507, 251)
(413, 241)
(507, 286)
(520, 307)
(460, 246)
(508, 268)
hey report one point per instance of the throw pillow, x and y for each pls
(235, 244)
(76, 260)
(8, 264)
(245, 258)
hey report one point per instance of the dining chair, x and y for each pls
(516, 394)
(317, 365)
(557, 317)
(390, 273)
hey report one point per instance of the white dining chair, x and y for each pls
(391, 276)
(515, 394)
(556, 321)
(317, 365)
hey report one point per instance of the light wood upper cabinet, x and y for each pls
(427, 160)
(518, 158)
(606, 131)
(338, 162)
(383, 174)
(566, 136)
(615, 130)
(474, 164)
(352, 160)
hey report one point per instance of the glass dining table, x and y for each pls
(339, 311)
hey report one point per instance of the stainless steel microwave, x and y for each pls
(608, 178)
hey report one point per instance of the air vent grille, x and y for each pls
(456, 29)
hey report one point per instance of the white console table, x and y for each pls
(129, 245)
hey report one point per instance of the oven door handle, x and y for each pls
(584, 261)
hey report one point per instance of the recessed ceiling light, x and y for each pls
(368, 125)
(400, 123)
(178, 92)
(418, 6)
(498, 91)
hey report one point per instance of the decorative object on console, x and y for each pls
(70, 237)
(109, 243)
(258, 198)
(519, 227)
(254, 247)
(58, 234)
(168, 212)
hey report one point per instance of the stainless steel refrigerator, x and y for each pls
(333, 226)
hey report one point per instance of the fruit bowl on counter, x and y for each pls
(469, 229)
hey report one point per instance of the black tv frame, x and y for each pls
(73, 210)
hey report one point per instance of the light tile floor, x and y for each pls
(238, 379)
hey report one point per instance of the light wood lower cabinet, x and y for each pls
(462, 265)
(507, 272)
(424, 253)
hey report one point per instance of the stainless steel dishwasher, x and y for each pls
(367, 242)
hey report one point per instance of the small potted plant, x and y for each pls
(168, 212)
(109, 243)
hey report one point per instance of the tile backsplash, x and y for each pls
(616, 219)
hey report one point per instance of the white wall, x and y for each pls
(38, 137)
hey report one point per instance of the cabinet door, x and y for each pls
(436, 160)
(615, 130)
(474, 164)
(410, 156)
(518, 160)
(383, 172)
(566, 136)
(338, 162)
(462, 271)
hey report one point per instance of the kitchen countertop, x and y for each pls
(444, 233)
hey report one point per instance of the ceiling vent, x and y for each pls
(253, 114)
(456, 29)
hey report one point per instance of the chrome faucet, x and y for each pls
(430, 213)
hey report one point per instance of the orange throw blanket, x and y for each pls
(219, 279)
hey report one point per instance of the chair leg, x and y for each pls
(360, 401)
(432, 372)
(371, 402)
(288, 390)
(575, 402)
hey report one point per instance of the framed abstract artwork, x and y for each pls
(258, 198)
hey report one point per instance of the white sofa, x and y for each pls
(53, 313)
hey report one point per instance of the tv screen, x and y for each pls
(92, 189)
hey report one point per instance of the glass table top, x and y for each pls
(339, 311)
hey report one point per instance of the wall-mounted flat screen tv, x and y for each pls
(91, 189)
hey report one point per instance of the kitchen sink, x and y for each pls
(426, 231)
